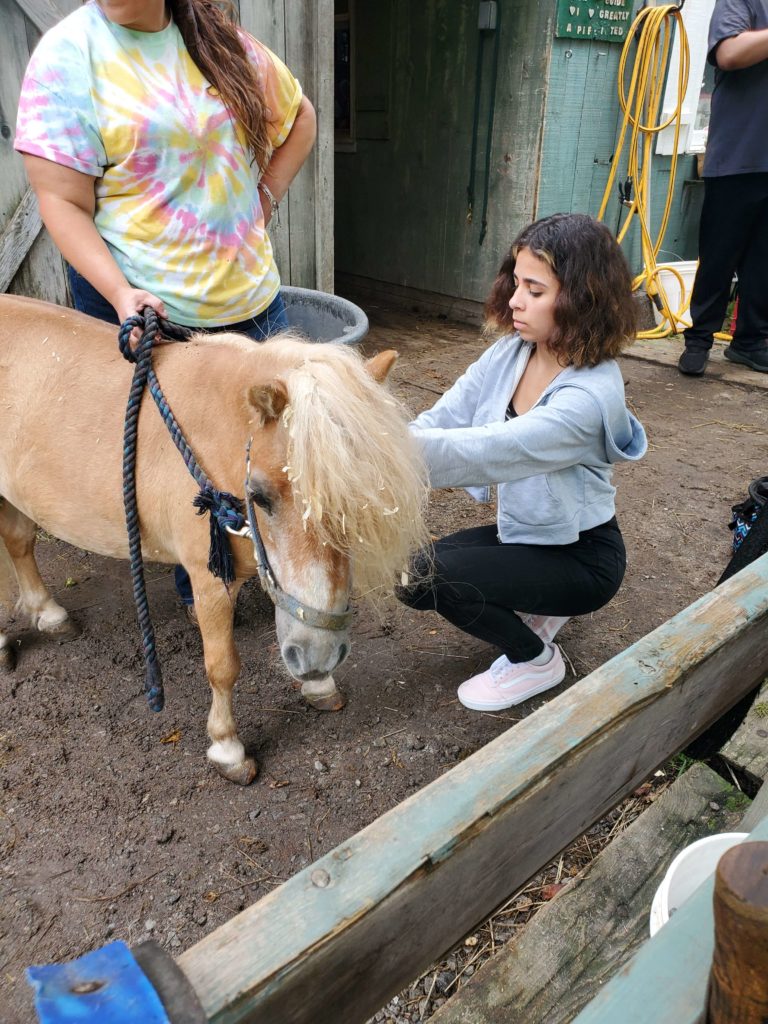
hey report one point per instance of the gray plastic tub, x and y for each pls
(324, 317)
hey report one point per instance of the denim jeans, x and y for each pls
(269, 321)
(272, 320)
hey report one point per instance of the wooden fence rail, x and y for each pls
(666, 982)
(335, 942)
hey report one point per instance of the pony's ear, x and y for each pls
(269, 400)
(379, 365)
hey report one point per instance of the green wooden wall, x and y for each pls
(581, 124)
(400, 196)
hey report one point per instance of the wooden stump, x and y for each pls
(738, 984)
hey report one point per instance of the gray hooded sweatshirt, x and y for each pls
(553, 465)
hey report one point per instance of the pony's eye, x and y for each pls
(261, 499)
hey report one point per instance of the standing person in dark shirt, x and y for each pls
(733, 235)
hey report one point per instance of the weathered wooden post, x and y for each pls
(738, 982)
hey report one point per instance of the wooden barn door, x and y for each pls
(299, 31)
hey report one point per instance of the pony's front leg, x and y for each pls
(215, 608)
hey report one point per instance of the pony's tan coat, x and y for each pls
(349, 487)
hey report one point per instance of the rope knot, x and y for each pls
(226, 510)
(151, 325)
(124, 336)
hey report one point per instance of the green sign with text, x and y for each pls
(606, 20)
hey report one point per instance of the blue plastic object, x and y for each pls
(324, 317)
(106, 986)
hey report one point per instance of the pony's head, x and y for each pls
(339, 488)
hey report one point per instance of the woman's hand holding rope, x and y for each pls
(131, 301)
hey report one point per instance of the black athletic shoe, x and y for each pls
(692, 363)
(757, 359)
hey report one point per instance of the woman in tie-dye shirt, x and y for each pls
(158, 138)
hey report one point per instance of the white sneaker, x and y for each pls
(507, 683)
(545, 626)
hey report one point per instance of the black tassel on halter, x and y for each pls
(225, 510)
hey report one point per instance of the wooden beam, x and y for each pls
(325, 155)
(666, 982)
(577, 942)
(748, 748)
(301, 34)
(757, 811)
(309, 27)
(265, 20)
(341, 937)
(17, 238)
(42, 13)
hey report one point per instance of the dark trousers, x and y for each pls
(478, 583)
(733, 236)
(271, 321)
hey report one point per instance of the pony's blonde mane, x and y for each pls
(358, 477)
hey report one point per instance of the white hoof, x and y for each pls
(322, 694)
(52, 618)
(229, 760)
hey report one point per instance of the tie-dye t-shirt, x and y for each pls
(176, 194)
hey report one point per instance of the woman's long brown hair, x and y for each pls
(210, 34)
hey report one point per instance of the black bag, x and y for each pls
(753, 513)
(747, 511)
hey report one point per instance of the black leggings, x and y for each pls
(478, 583)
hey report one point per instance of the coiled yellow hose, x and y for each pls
(641, 104)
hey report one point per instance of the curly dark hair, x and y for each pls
(210, 34)
(595, 314)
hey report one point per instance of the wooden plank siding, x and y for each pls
(17, 238)
(386, 904)
(401, 192)
(45, 13)
(301, 34)
(30, 264)
(581, 125)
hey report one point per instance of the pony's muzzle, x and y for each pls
(310, 661)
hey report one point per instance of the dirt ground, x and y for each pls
(112, 825)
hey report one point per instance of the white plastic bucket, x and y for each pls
(671, 285)
(688, 870)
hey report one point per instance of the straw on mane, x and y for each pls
(357, 475)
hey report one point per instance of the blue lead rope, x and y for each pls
(225, 509)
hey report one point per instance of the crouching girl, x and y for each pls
(542, 415)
